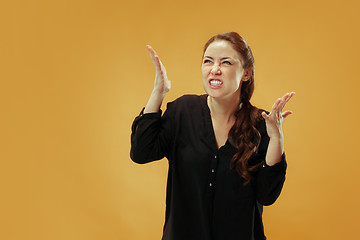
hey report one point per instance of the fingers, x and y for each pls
(285, 99)
(281, 102)
(286, 113)
(151, 51)
(279, 105)
(264, 115)
(275, 107)
(154, 58)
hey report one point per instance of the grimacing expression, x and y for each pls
(222, 70)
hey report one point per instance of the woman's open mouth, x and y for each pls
(215, 83)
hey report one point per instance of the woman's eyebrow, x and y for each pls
(220, 58)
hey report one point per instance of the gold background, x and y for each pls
(74, 74)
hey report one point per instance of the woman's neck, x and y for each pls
(223, 109)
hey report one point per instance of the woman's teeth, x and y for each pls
(215, 82)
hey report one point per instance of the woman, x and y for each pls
(226, 157)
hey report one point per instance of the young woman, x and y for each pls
(226, 157)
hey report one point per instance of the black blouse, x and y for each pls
(205, 200)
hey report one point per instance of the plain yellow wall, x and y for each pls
(74, 74)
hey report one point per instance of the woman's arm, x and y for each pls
(271, 176)
(274, 122)
(161, 85)
(269, 181)
(151, 135)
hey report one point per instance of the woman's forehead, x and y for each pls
(221, 49)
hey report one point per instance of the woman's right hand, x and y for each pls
(162, 84)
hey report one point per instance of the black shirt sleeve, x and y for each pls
(151, 136)
(270, 179)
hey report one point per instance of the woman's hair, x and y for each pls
(243, 134)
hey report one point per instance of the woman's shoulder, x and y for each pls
(188, 100)
(189, 104)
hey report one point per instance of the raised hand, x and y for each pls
(274, 122)
(162, 84)
(276, 117)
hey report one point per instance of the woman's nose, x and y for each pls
(216, 70)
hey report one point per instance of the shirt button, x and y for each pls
(215, 156)
(210, 184)
(212, 170)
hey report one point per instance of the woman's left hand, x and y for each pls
(276, 117)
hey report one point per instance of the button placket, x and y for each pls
(212, 171)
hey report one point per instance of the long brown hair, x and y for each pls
(243, 134)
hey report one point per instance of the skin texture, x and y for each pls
(223, 63)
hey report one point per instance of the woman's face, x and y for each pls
(222, 70)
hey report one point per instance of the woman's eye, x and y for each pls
(207, 61)
(227, 62)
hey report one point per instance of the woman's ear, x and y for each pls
(247, 75)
